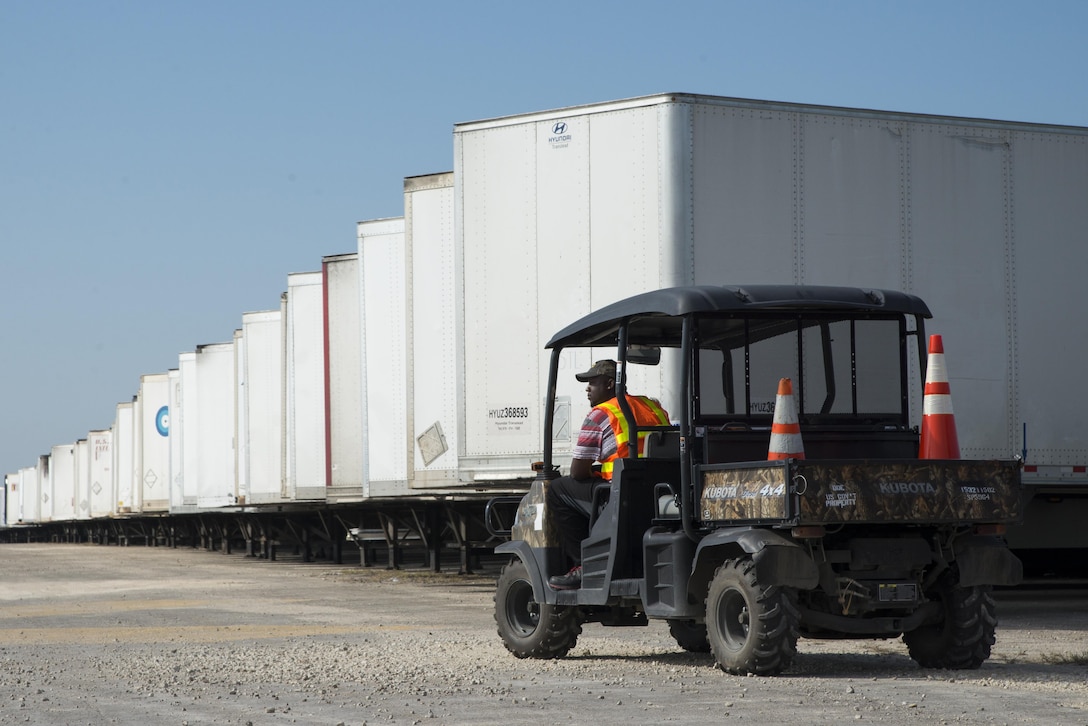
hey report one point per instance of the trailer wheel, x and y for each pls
(752, 628)
(690, 635)
(963, 637)
(530, 629)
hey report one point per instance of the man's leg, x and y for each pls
(569, 503)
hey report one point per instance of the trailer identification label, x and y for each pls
(508, 419)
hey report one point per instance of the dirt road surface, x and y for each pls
(114, 635)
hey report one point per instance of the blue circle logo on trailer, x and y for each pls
(162, 421)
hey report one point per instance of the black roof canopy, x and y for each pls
(656, 316)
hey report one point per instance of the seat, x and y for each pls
(662, 445)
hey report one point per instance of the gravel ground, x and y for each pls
(111, 635)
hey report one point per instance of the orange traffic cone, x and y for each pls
(939, 439)
(785, 430)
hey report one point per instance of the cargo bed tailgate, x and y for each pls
(828, 492)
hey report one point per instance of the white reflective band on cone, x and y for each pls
(937, 403)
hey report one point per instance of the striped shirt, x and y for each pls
(596, 440)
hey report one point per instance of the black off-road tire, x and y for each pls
(752, 628)
(690, 635)
(962, 640)
(530, 629)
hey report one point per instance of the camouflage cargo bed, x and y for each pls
(861, 491)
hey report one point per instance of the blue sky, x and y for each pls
(164, 165)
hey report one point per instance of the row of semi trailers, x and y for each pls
(411, 368)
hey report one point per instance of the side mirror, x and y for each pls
(646, 355)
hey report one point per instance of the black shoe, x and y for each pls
(570, 581)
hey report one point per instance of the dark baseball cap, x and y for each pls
(600, 368)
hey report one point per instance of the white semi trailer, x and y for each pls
(151, 428)
(100, 454)
(304, 401)
(260, 406)
(60, 502)
(412, 366)
(561, 212)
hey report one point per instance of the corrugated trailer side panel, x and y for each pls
(498, 217)
(13, 493)
(124, 458)
(100, 473)
(10, 480)
(304, 412)
(63, 476)
(343, 377)
(11, 485)
(174, 384)
(387, 448)
(137, 454)
(959, 244)
(241, 421)
(594, 206)
(630, 244)
(857, 199)
(34, 481)
(184, 468)
(46, 501)
(560, 151)
(215, 426)
(83, 479)
(432, 324)
(639, 230)
(153, 455)
(588, 219)
(786, 197)
(25, 485)
(263, 401)
(979, 218)
(19, 509)
(1050, 222)
(743, 190)
(16, 490)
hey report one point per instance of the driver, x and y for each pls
(603, 438)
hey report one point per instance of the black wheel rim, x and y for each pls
(733, 619)
(522, 610)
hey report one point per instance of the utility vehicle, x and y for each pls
(742, 555)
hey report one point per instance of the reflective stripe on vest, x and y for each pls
(647, 411)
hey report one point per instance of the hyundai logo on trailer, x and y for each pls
(162, 421)
(559, 137)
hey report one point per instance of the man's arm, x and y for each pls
(589, 448)
(581, 468)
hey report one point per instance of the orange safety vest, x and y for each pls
(648, 412)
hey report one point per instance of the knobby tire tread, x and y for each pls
(964, 639)
(557, 629)
(773, 630)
